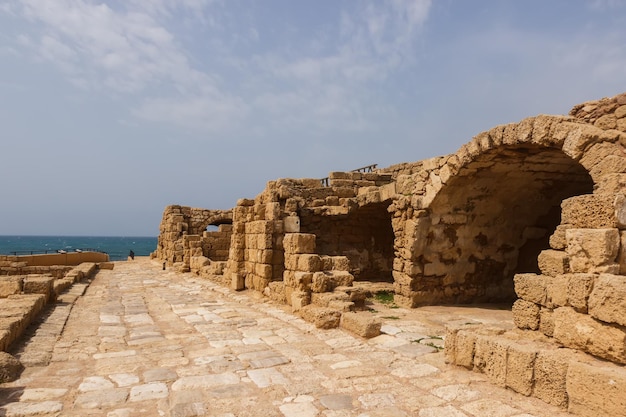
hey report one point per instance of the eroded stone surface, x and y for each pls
(292, 368)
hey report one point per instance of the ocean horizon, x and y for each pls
(117, 247)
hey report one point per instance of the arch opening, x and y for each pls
(216, 240)
(493, 219)
(365, 236)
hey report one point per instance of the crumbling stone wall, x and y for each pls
(364, 236)
(183, 235)
(532, 213)
(450, 229)
(568, 349)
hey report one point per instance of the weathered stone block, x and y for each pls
(621, 258)
(553, 262)
(450, 343)
(321, 282)
(620, 211)
(259, 227)
(291, 262)
(531, 287)
(10, 368)
(340, 263)
(341, 279)
(490, 358)
(39, 285)
(10, 285)
(237, 282)
(596, 389)
(322, 317)
(607, 301)
(197, 262)
(264, 271)
(557, 291)
(526, 315)
(546, 321)
(361, 323)
(579, 288)
(299, 243)
(520, 362)
(106, 265)
(580, 331)
(609, 165)
(303, 280)
(264, 241)
(557, 239)
(550, 376)
(299, 299)
(590, 211)
(309, 263)
(590, 249)
(276, 292)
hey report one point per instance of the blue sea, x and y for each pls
(118, 248)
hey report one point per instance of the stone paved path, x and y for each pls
(147, 342)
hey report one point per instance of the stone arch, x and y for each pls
(202, 218)
(484, 213)
(495, 219)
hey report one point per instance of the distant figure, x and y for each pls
(164, 266)
(131, 255)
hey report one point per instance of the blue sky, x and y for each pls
(112, 110)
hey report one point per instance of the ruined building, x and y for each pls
(531, 213)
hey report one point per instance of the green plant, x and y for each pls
(386, 298)
(392, 317)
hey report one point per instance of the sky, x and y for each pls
(112, 110)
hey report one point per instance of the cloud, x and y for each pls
(124, 51)
(329, 84)
(131, 49)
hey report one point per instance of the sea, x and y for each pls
(118, 248)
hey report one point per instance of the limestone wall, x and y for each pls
(450, 229)
(183, 235)
(530, 213)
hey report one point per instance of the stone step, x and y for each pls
(535, 366)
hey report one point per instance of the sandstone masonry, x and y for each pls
(532, 213)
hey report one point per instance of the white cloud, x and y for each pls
(130, 50)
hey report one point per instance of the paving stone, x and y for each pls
(124, 380)
(487, 407)
(377, 400)
(447, 411)
(159, 374)
(95, 383)
(199, 349)
(120, 354)
(102, 398)
(415, 370)
(150, 391)
(25, 409)
(456, 392)
(337, 401)
(42, 394)
(267, 377)
(205, 381)
(306, 409)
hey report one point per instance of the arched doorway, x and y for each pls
(493, 218)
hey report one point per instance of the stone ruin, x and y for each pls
(532, 214)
